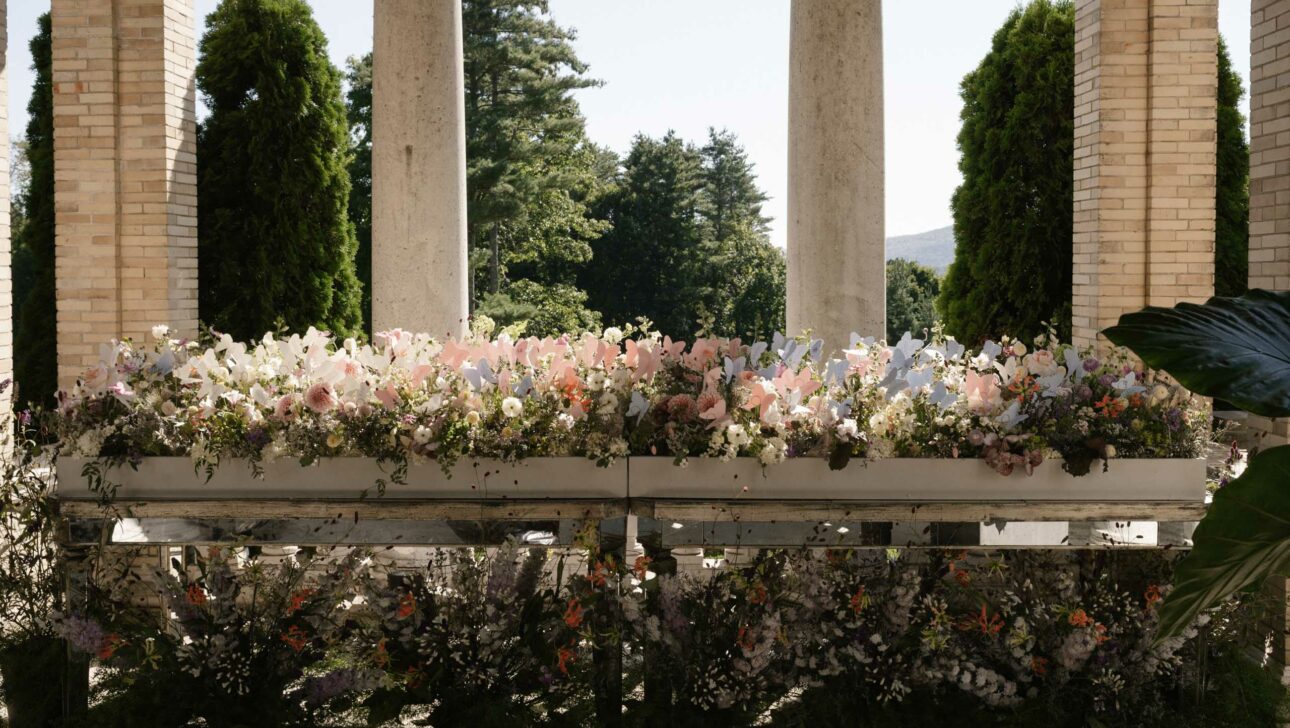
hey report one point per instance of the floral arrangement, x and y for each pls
(407, 397)
(513, 637)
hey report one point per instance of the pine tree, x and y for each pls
(651, 263)
(521, 120)
(1013, 211)
(1232, 200)
(276, 247)
(35, 350)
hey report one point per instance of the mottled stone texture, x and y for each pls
(6, 275)
(125, 172)
(1146, 81)
(419, 264)
(836, 270)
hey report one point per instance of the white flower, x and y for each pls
(161, 332)
(421, 435)
(737, 436)
(613, 335)
(472, 418)
(566, 420)
(512, 407)
(848, 429)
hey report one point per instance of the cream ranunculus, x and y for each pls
(512, 407)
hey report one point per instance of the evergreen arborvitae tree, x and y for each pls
(912, 289)
(1013, 211)
(1232, 200)
(358, 109)
(276, 247)
(35, 353)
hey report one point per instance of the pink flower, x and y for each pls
(982, 391)
(388, 396)
(282, 410)
(319, 398)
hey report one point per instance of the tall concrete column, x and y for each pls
(836, 245)
(1270, 161)
(419, 272)
(125, 172)
(6, 276)
(1146, 81)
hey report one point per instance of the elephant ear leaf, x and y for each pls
(1243, 539)
(1233, 349)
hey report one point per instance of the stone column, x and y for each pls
(836, 248)
(125, 172)
(419, 271)
(1270, 163)
(6, 275)
(1146, 80)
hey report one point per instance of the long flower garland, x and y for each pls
(406, 397)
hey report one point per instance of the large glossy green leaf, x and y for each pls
(1233, 349)
(1243, 539)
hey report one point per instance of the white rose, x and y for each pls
(421, 435)
(472, 418)
(512, 407)
(848, 429)
(160, 332)
(613, 335)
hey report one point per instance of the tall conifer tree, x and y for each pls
(35, 352)
(1232, 201)
(276, 247)
(1013, 211)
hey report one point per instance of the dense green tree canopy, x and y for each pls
(276, 247)
(1232, 203)
(1013, 211)
(912, 289)
(35, 353)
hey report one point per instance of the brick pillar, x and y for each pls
(125, 172)
(1270, 163)
(1146, 81)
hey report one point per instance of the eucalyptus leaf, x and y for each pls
(1244, 538)
(1233, 349)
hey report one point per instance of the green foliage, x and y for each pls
(276, 247)
(1012, 214)
(35, 364)
(523, 126)
(1237, 350)
(545, 310)
(1233, 349)
(689, 242)
(912, 289)
(358, 110)
(1232, 236)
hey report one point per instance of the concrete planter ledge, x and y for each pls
(887, 480)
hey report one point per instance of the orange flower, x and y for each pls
(759, 594)
(573, 614)
(1100, 629)
(1109, 406)
(1136, 400)
(599, 574)
(859, 600)
(989, 625)
(641, 566)
(415, 677)
(298, 600)
(1153, 595)
(296, 638)
(1039, 665)
(111, 644)
(1080, 618)
(382, 656)
(407, 605)
(567, 657)
(1024, 387)
(746, 640)
(195, 595)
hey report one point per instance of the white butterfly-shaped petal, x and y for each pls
(638, 407)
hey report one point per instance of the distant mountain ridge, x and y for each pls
(934, 248)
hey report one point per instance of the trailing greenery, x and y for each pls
(35, 363)
(912, 289)
(276, 247)
(1232, 203)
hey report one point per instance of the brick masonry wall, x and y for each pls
(125, 172)
(1146, 76)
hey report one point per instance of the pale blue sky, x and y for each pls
(690, 64)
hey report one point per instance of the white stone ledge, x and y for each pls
(744, 479)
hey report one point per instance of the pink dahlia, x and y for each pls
(319, 398)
